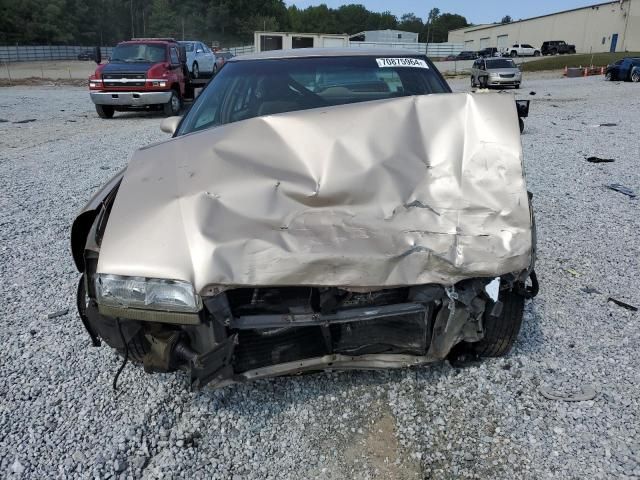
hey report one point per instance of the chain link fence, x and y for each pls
(33, 53)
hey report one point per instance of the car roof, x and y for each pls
(326, 52)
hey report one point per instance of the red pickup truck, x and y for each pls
(143, 73)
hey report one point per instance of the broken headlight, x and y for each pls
(146, 293)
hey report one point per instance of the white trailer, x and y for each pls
(265, 41)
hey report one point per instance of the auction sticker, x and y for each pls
(401, 62)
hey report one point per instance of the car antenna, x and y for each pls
(126, 356)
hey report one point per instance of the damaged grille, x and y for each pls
(281, 325)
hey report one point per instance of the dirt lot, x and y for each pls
(60, 418)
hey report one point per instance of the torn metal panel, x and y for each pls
(408, 191)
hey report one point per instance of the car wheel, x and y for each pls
(483, 82)
(608, 76)
(635, 77)
(195, 70)
(536, 53)
(215, 70)
(514, 53)
(473, 84)
(172, 107)
(500, 332)
(105, 111)
(553, 52)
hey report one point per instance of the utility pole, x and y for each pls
(133, 33)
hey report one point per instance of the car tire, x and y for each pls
(608, 76)
(173, 106)
(483, 82)
(195, 70)
(473, 84)
(517, 85)
(514, 54)
(215, 70)
(536, 53)
(635, 77)
(105, 111)
(500, 332)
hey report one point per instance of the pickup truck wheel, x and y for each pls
(105, 111)
(635, 77)
(514, 53)
(500, 332)
(195, 70)
(553, 51)
(536, 53)
(172, 107)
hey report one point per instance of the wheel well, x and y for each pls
(79, 231)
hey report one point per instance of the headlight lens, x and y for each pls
(146, 293)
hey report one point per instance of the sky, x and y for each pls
(475, 11)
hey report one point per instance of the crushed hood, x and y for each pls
(414, 190)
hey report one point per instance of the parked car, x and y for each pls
(240, 249)
(221, 59)
(495, 72)
(555, 47)
(142, 74)
(520, 50)
(489, 52)
(87, 55)
(200, 59)
(467, 55)
(626, 69)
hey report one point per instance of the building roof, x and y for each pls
(325, 52)
(491, 25)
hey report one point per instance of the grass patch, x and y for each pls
(558, 62)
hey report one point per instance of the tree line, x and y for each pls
(229, 22)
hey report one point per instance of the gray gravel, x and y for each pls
(60, 418)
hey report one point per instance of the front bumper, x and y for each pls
(130, 98)
(493, 81)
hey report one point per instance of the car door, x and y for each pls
(210, 57)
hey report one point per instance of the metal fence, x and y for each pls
(31, 53)
(436, 50)
(243, 50)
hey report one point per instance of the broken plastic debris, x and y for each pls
(586, 392)
(57, 314)
(600, 160)
(622, 189)
(608, 125)
(573, 272)
(590, 290)
(622, 304)
(28, 120)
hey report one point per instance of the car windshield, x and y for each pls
(253, 88)
(501, 63)
(138, 52)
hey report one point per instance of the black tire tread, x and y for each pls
(501, 332)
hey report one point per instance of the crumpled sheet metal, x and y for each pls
(406, 191)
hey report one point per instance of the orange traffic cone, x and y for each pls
(565, 70)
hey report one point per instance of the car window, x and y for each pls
(174, 56)
(188, 46)
(138, 52)
(526, 45)
(253, 88)
(500, 63)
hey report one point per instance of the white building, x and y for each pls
(603, 27)
(385, 36)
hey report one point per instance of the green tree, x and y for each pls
(410, 23)
(162, 19)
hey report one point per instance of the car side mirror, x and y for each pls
(170, 124)
(199, 50)
(97, 55)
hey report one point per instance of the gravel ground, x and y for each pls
(60, 418)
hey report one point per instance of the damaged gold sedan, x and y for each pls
(315, 209)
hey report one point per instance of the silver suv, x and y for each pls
(495, 72)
